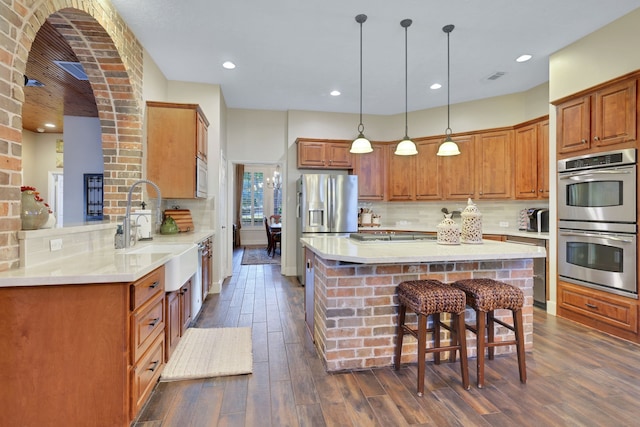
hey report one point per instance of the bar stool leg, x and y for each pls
(519, 331)
(461, 339)
(422, 346)
(402, 310)
(490, 333)
(481, 327)
(435, 318)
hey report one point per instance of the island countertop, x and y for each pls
(349, 250)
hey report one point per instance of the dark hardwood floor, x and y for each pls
(576, 376)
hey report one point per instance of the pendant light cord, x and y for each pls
(447, 29)
(361, 19)
(406, 79)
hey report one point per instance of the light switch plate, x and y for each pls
(55, 244)
(504, 224)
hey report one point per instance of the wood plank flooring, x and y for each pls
(576, 376)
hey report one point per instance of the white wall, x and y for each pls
(38, 159)
(82, 154)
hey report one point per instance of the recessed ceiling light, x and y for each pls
(229, 65)
(335, 93)
(435, 86)
(523, 58)
(49, 125)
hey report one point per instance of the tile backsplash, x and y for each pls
(429, 214)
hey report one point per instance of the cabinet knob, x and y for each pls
(596, 138)
(583, 141)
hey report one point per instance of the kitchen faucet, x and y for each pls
(126, 226)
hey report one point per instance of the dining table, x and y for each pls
(274, 228)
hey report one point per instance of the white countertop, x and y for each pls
(100, 266)
(426, 229)
(348, 250)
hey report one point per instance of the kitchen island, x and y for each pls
(351, 303)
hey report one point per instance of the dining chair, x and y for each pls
(269, 236)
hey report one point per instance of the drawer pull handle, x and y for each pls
(154, 322)
(154, 365)
(593, 306)
(184, 291)
(154, 285)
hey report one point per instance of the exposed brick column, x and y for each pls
(112, 58)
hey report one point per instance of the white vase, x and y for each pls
(471, 224)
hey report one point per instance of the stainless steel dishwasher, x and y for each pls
(539, 269)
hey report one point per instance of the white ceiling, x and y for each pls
(291, 53)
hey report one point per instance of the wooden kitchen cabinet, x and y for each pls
(87, 354)
(600, 120)
(429, 170)
(531, 160)
(494, 154)
(401, 182)
(176, 137)
(178, 315)
(604, 311)
(459, 172)
(371, 170)
(324, 154)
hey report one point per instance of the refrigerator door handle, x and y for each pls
(299, 205)
(332, 203)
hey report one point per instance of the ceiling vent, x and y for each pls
(73, 68)
(496, 75)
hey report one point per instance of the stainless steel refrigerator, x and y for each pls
(326, 204)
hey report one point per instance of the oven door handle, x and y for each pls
(599, 236)
(589, 173)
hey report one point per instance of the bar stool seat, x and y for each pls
(430, 298)
(484, 296)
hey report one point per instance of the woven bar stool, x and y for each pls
(485, 296)
(432, 297)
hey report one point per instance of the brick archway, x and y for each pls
(112, 58)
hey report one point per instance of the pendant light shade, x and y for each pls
(361, 144)
(448, 147)
(406, 147)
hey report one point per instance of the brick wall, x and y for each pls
(356, 307)
(111, 57)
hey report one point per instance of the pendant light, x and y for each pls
(406, 147)
(361, 144)
(448, 147)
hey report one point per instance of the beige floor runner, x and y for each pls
(210, 352)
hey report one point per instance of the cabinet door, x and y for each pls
(574, 125)
(402, 176)
(172, 333)
(494, 154)
(459, 171)
(615, 114)
(428, 170)
(310, 154)
(185, 307)
(526, 162)
(370, 168)
(543, 160)
(338, 156)
(203, 136)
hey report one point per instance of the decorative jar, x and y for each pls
(448, 232)
(471, 224)
(33, 213)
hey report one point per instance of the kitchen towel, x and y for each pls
(210, 352)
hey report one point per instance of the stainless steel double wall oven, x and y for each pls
(597, 238)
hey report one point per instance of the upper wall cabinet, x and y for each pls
(531, 160)
(324, 154)
(371, 171)
(459, 172)
(494, 154)
(600, 120)
(176, 138)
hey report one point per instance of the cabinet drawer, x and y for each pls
(147, 287)
(146, 324)
(145, 374)
(599, 306)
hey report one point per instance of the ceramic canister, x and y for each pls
(471, 224)
(448, 232)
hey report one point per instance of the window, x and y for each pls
(252, 198)
(260, 197)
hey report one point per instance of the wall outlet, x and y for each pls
(55, 244)
(504, 224)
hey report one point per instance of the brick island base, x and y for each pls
(355, 309)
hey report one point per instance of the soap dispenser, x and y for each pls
(118, 239)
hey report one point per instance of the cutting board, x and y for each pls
(182, 217)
